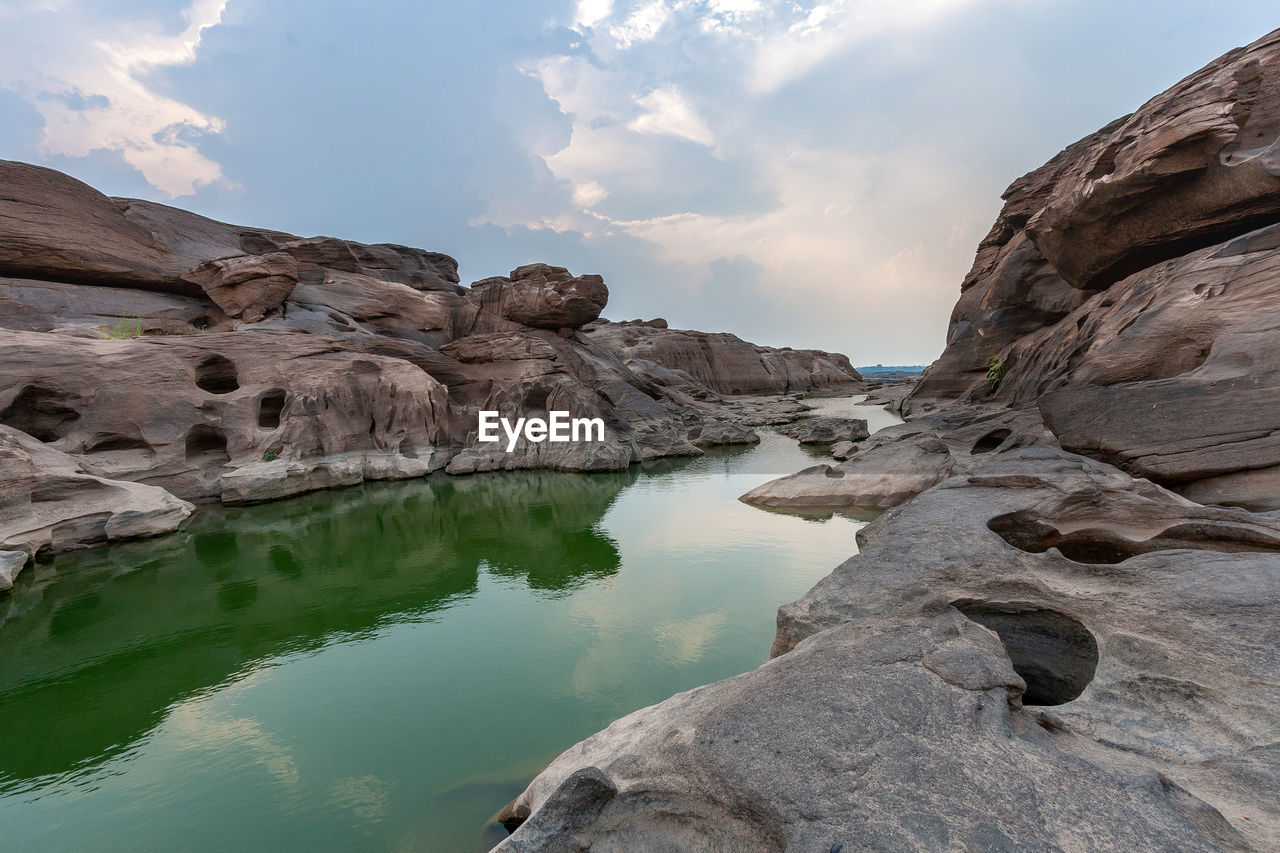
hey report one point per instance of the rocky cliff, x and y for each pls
(151, 357)
(1062, 633)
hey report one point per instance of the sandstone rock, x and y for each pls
(901, 461)
(1075, 662)
(180, 412)
(247, 286)
(1192, 168)
(548, 297)
(826, 430)
(11, 562)
(715, 432)
(725, 363)
(843, 450)
(241, 364)
(1172, 374)
(52, 503)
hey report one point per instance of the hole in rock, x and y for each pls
(536, 398)
(217, 375)
(205, 440)
(107, 441)
(269, 409)
(1055, 654)
(40, 412)
(990, 441)
(1100, 546)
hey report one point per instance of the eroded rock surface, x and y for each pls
(217, 362)
(723, 362)
(1194, 167)
(50, 501)
(1063, 668)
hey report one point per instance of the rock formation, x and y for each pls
(1035, 649)
(722, 362)
(152, 357)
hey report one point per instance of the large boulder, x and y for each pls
(247, 286)
(1194, 167)
(548, 297)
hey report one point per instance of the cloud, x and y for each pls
(668, 111)
(591, 12)
(87, 77)
(642, 25)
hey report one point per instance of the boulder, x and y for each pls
(715, 433)
(826, 430)
(843, 450)
(247, 286)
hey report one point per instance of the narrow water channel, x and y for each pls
(382, 667)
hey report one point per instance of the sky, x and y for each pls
(807, 174)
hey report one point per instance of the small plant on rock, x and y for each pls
(995, 372)
(124, 329)
(270, 456)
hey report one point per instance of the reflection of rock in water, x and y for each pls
(98, 644)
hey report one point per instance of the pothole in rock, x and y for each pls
(991, 441)
(1055, 654)
(269, 409)
(40, 412)
(217, 375)
(1097, 545)
(207, 443)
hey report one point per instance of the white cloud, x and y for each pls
(642, 25)
(86, 78)
(589, 194)
(668, 111)
(591, 12)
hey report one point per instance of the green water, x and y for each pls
(381, 667)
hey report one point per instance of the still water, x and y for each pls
(382, 667)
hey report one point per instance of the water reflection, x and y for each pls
(88, 665)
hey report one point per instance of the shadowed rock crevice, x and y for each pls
(1055, 654)
(270, 407)
(217, 375)
(40, 412)
(206, 443)
(991, 441)
(1097, 545)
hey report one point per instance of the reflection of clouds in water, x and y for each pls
(367, 797)
(203, 726)
(684, 640)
